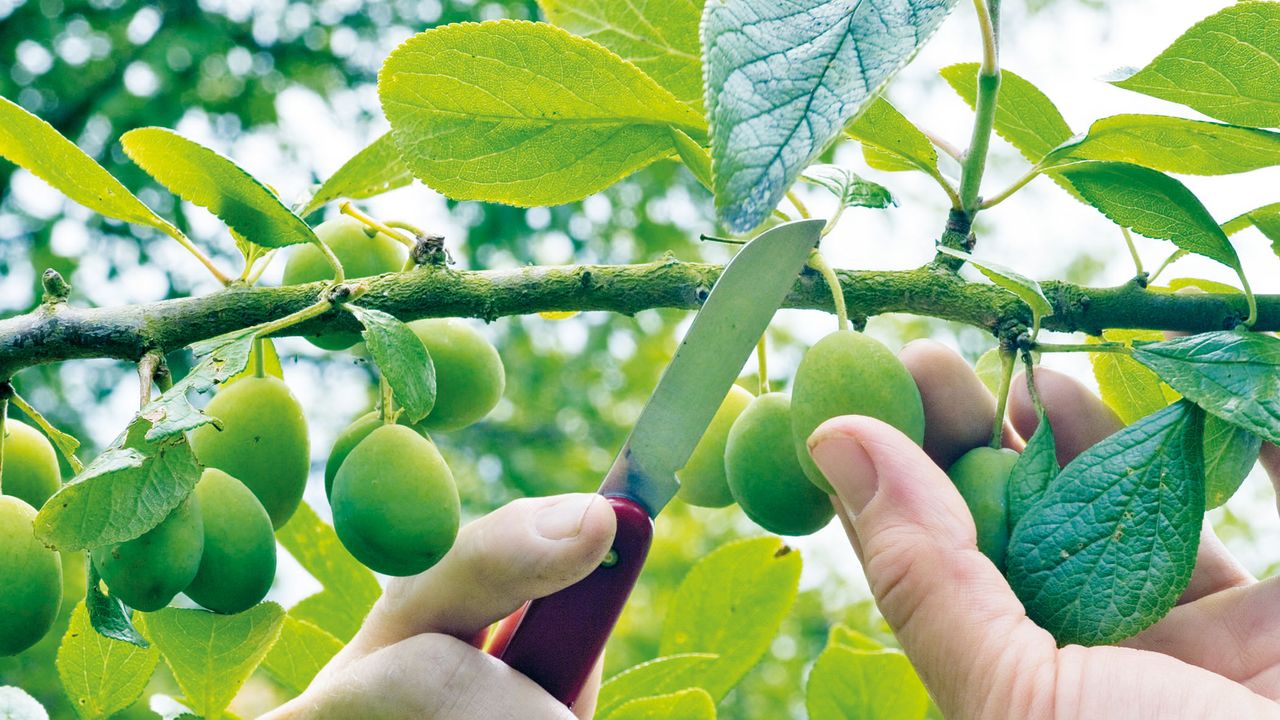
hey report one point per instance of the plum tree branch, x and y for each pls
(56, 331)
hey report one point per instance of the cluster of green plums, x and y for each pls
(395, 504)
(754, 451)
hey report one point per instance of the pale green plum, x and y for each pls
(347, 440)
(149, 570)
(395, 504)
(848, 373)
(30, 464)
(702, 479)
(982, 477)
(238, 564)
(30, 579)
(263, 442)
(764, 473)
(470, 377)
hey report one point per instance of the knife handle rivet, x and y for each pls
(610, 559)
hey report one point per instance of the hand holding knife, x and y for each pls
(557, 639)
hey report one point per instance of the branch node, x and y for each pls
(429, 249)
(56, 288)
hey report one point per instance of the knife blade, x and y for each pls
(556, 640)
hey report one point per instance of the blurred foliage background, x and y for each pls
(238, 75)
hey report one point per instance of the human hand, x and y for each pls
(417, 656)
(1217, 654)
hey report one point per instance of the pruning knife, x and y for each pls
(556, 640)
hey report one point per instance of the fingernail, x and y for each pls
(847, 467)
(563, 518)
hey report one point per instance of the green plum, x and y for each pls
(30, 579)
(395, 505)
(362, 254)
(702, 479)
(347, 441)
(263, 442)
(30, 464)
(238, 564)
(764, 472)
(148, 571)
(982, 477)
(848, 373)
(469, 373)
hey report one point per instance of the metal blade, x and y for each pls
(735, 314)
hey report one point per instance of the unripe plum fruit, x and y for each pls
(395, 505)
(30, 579)
(263, 442)
(361, 253)
(702, 479)
(238, 564)
(764, 472)
(149, 570)
(848, 373)
(982, 477)
(470, 377)
(30, 464)
(347, 440)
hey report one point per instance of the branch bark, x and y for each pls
(56, 331)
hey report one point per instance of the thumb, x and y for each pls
(521, 551)
(956, 617)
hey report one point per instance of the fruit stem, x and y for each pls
(339, 275)
(1002, 397)
(185, 242)
(1030, 366)
(259, 364)
(385, 228)
(49, 430)
(819, 263)
(388, 408)
(1175, 256)
(975, 161)
(147, 367)
(306, 313)
(799, 205)
(5, 391)
(762, 366)
(1133, 250)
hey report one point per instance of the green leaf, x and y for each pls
(16, 704)
(212, 655)
(1110, 546)
(851, 189)
(659, 38)
(301, 652)
(497, 111)
(203, 177)
(1026, 289)
(1233, 375)
(101, 676)
(350, 589)
(1131, 390)
(372, 171)
(694, 156)
(1025, 116)
(1152, 204)
(402, 359)
(1033, 471)
(1230, 453)
(691, 704)
(127, 490)
(889, 133)
(849, 684)
(1265, 218)
(1227, 66)
(1176, 145)
(990, 369)
(783, 80)
(845, 636)
(172, 413)
(731, 604)
(33, 144)
(661, 676)
(107, 615)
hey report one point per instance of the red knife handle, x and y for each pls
(556, 640)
